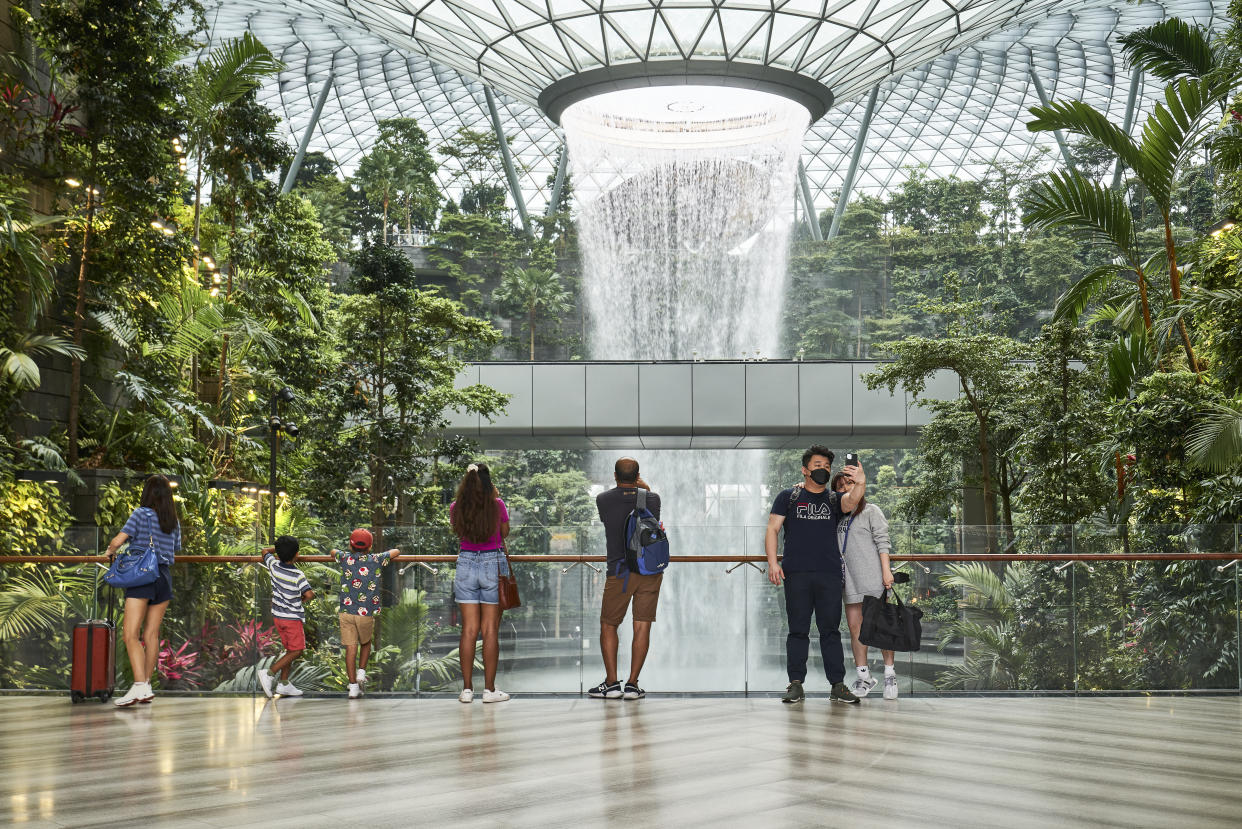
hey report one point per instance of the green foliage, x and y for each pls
(533, 290)
(33, 518)
(399, 169)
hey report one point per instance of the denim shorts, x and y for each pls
(478, 576)
(157, 592)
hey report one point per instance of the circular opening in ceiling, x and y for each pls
(668, 117)
(730, 77)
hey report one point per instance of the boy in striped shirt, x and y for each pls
(289, 590)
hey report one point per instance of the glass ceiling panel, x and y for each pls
(955, 111)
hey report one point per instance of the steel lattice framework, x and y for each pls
(955, 80)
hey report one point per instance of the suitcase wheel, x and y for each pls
(104, 696)
(76, 696)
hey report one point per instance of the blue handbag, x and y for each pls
(135, 567)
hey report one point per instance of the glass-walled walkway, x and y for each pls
(1064, 610)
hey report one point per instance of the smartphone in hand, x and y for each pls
(851, 459)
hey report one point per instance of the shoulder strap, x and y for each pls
(793, 499)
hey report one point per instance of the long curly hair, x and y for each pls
(157, 494)
(475, 515)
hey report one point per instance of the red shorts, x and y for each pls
(292, 636)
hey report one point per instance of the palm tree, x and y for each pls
(533, 289)
(1174, 132)
(231, 70)
(995, 658)
(24, 260)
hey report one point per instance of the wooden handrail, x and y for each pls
(539, 559)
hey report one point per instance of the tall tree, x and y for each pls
(533, 290)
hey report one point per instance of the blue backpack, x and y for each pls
(646, 545)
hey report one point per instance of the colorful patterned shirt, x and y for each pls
(360, 581)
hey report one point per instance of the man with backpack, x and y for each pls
(813, 571)
(634, 527)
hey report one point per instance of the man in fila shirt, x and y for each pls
(812, 570)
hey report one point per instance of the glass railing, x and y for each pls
(1061, 609)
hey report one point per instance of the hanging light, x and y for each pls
(157, 224)
(73, 182)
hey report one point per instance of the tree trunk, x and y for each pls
(385, 219)
(532, 333)
(985, 459)
(1175, 286)
(79, 327)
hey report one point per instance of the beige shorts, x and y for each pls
(644, 591)
(356, 630)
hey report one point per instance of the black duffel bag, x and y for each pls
(890, 626)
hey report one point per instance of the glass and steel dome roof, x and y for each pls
(955, 79)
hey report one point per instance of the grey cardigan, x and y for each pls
(868, 538)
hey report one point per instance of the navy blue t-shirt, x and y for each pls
(810, 530)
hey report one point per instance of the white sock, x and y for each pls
(863, 671)
(890, 670)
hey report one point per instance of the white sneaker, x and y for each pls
(354, 690)
(494, 696)
(467, 695)
(361, 676)
(862, 687)
(265, 680)
(286, 689)
(890, 686)
(136, 693)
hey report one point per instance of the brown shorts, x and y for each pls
(356, 630)
(644, 590)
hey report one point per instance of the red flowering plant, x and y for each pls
(177, 667)
(253, 640)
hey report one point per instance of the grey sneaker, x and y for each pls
(862, 687)
(842, 694)
(890, 686)
(794, 692)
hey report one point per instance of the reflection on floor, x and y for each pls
(659, 762)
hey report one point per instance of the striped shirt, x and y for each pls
(288, 585)
(143, 529)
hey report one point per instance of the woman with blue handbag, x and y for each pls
(152, 531)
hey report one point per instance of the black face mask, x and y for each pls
(819, 476)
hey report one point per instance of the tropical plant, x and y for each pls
(533, 290)
(400, 168)
(43, 600)
(994, 658)
(1176, 129)
(407, 626)
(223, 76)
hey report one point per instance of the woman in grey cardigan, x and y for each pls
(863, 540)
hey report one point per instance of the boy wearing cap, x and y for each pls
(360, 603)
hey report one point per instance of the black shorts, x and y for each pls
(157, 592)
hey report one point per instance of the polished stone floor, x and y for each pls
(659, 762)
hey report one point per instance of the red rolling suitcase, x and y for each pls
(93, 658)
